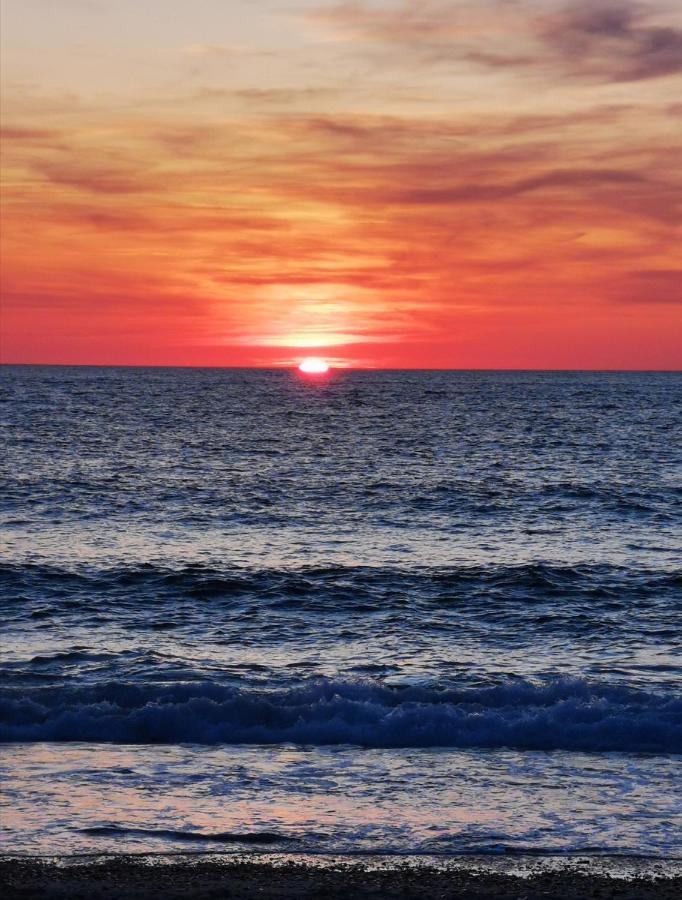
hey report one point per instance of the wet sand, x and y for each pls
(191, 878)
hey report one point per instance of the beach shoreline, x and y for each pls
(271, 876)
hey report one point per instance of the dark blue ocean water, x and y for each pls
(433, 611)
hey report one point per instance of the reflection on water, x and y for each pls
(337, 800)
(385, 559)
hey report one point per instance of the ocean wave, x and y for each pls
(22, 583)
(173, 834)
(564, 714)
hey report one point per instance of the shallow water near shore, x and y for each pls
(80, 798)
(385, 612)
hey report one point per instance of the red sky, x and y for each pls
(490, 184)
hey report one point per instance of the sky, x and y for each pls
(384, 183)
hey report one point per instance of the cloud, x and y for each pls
(607, 41)
(393, 134)
(28, 135)
(429, 31)
(650, 286)
(424, 23)
(97, 179)
(285, 96)
(566, 178)
(612, 41)
(392, 224)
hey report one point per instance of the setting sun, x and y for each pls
(313, 365)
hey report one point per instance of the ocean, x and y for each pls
(396, 612)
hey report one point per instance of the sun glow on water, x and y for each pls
(313, 365)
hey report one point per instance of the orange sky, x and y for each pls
(444, 183)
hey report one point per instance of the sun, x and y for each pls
(313, 365)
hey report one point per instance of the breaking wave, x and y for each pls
(173, 834)
(565, 714)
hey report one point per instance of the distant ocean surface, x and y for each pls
(404, 612)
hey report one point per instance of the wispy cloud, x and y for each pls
(612, 40)
(649, 286)
(560, 179)
(98, 179)
(317, 210)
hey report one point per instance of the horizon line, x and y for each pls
(293, 368)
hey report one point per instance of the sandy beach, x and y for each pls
(183, 877)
